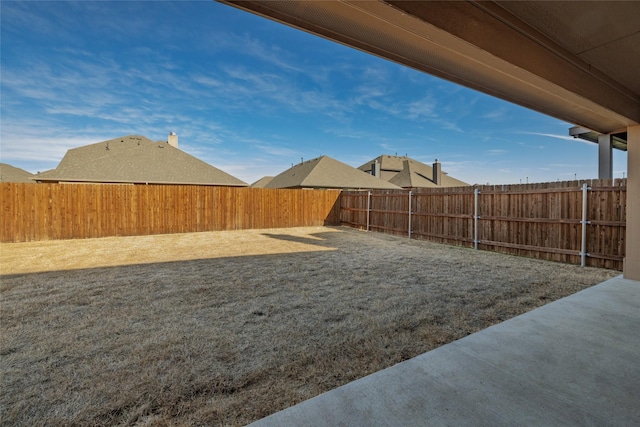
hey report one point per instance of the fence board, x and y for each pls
(31, 212)
(534, 220)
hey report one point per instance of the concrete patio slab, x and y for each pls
(575, 361)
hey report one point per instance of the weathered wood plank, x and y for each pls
(520, 219)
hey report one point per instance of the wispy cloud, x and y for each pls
(566, 165)
(422, 108)
(496, 152)
(539, 147)
(372, 94)
(389, 148)
(278, 150)
(272, 54)
(556, 136)
(349, 133)
(497, 115)
(448, 124)
(37, 141)
(207, 81)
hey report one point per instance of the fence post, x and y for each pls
(368, 207)
(584, 222)
(476, 191)
(410, 194)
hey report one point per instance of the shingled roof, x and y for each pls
(406, 172)
(325, 172)
(138, 160)
(262, 182)
(10, 173)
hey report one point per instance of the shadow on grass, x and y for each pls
(325, 239)
(189, 264)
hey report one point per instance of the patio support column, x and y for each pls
(632, 259)
(605, 157)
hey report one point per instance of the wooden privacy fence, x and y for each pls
(68, 211)
(580, 222)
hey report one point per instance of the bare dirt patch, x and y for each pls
(197, 337)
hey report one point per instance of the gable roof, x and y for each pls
(409, 173)
(326, 172)
(10, 173)
(262, 182)
(409, 177)
(135, 159)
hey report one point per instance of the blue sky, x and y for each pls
(251, 96)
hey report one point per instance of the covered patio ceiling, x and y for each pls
(573, 60)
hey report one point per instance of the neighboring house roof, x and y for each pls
(409, 177)
(10, 173)
(135, 159)
(262, 182)
(325, 172)
(409, 173)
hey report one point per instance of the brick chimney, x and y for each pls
(437, 173)
(173, 139)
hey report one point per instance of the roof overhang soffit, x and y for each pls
(477, 44)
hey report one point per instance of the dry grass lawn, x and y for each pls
(224, 328)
